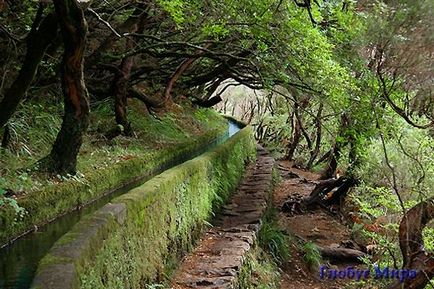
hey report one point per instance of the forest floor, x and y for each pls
(319, 227)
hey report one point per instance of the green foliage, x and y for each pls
(174, 8)
(374, 202)
(273, 240)
(428, 238)
(410, 153)
(259, 271)
(10, 204)
(312, 255)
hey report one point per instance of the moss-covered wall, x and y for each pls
(132, 241)
(57, 199)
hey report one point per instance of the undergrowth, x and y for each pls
(259, 271)
(312, 256)
(35, 126)
(273, 240)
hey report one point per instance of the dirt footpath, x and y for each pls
(318, 226)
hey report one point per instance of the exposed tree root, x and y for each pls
(342, 254)
(328, 193)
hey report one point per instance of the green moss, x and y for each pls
(163, 142)
(164, 216)
(258, 271)
(50, 260)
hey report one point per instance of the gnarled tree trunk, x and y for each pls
(122, 78)
(297, 132)
(411, 242)
(120, 93)
(318, 124)
(63, 156)
(120, 83)
(41, 35)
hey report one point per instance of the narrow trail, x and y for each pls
(219, 255)
(319, 227)
(218, 258)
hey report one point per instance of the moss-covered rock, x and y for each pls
(163, 216)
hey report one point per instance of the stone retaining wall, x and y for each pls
(45, 205)
(136, 239)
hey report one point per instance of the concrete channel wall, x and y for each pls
(58, 199)
(139, 237)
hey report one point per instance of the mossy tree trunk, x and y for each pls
(41, 35)
(63, 156)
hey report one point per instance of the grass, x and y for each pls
(259, 271)
(312, 256)
(102, 164)
(273, 240)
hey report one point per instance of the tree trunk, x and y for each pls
(295, 140)
(321, 189)
(151, 103)
(209, 102)
(340, 142)
(42, 33)
(332, 163)
(338, 196)
(120, 94)
(120, 83)
(63, 156)
(325, 157)
(6, 137)
(314, 154)
(411, 242)
(180, 70)
(298, 126)
(342, 254)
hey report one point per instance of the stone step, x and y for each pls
(217, 260)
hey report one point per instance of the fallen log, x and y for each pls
(342, 254)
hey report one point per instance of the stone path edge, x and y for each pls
(218, 259)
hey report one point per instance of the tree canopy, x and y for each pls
(330, 84)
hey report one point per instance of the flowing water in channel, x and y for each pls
(19, 261)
